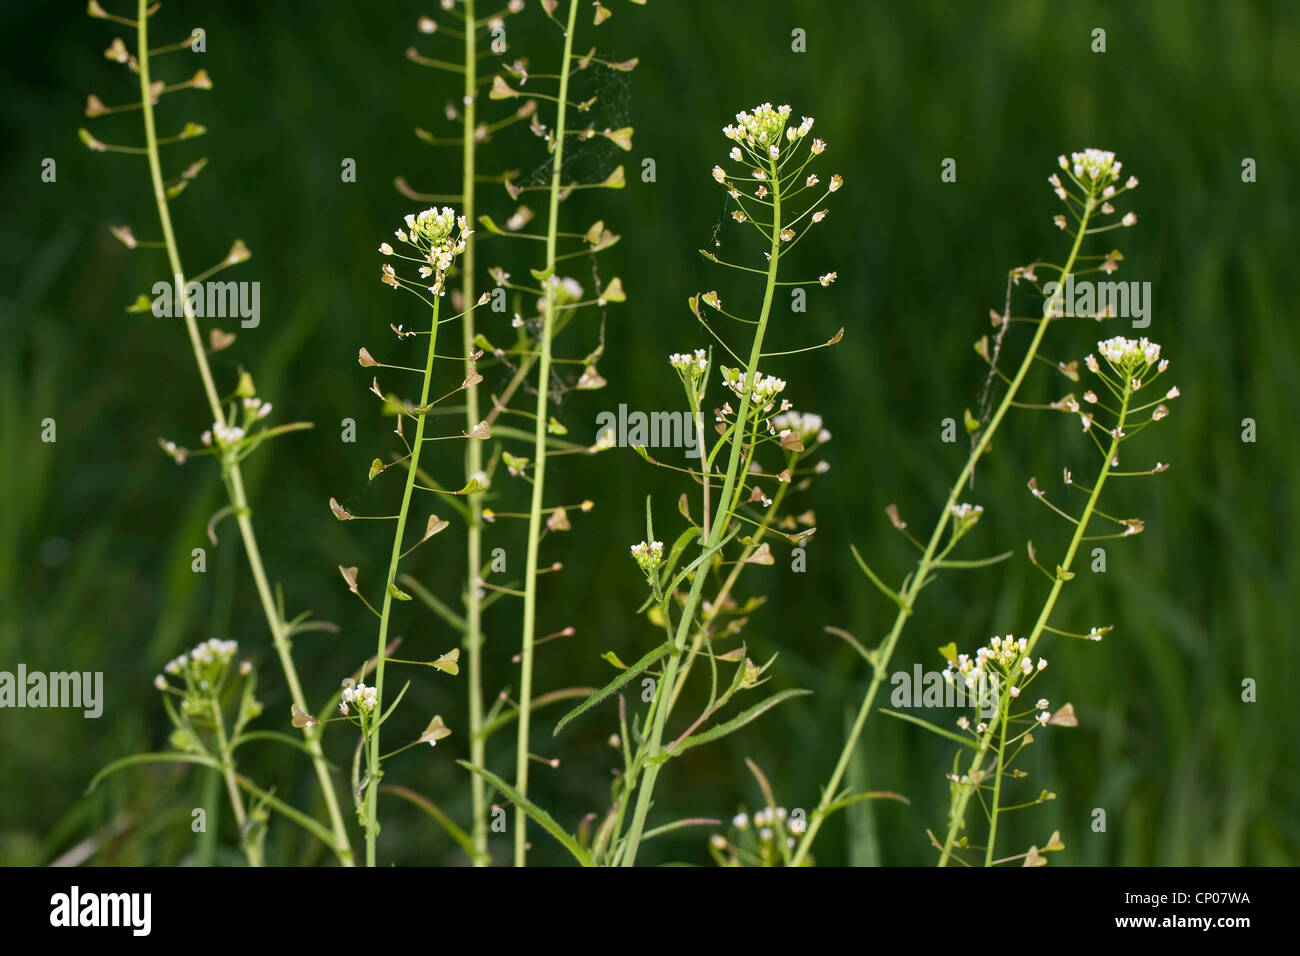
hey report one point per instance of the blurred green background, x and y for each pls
(96, 529)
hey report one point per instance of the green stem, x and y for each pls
(473, 465)
(725, 506)
(373, 769)
(928, 559)
(232, 787)
(1005, 703)
(1081, 529)
(231, 471)
(539, 454)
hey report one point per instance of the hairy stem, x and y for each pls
(231, 473)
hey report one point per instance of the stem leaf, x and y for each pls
(619, 681)
(951, 735)
(538, 815)
(740, 720)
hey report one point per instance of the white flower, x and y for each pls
(1130, 219)
(719, 174)
(226, 434)
(828, 278)
(1095, 165)
(648, 555)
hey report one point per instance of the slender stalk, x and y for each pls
(726, 504)
(232, 787)
(539, 452)
(473, 463)
(231, 473)
(373, 759)
(1080, 530)
(1005, 703)
(928, 560)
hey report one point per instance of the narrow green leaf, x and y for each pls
(735, 723)
(429, 600)
(291, 813)
(550, 697)
(675, 554)
(536, 813)
(456, 833)
(951, 735)
(884, 588)
(678, 824)
(850, 639)
(614, 685)
(859, 797)
(975, 562)
(134, 759)
(295, 742)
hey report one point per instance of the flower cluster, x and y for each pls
(693, 368)
(761, 131)
(1096, 173)
(438, 237)
(203, 666)
(1002, 659)
(1128, 355)
(1096, 166)
(764, 840)
(767, 146)
(762, 389)
(1131, 364)
(648, 555)
(360, 696)
(807, 425)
